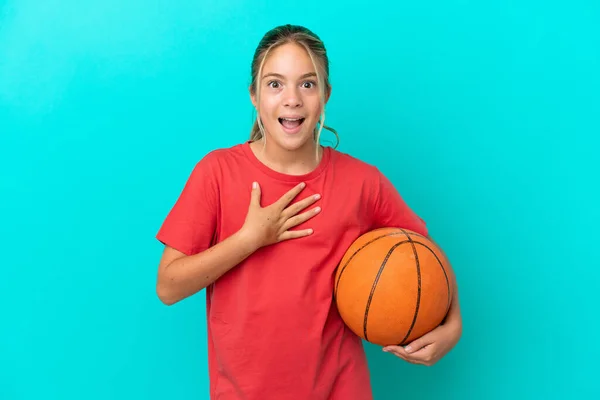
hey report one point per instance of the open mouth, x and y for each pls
(291, 123)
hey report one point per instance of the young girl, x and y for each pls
(263, 225)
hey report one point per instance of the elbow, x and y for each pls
(165, 295)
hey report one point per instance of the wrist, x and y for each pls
(247, 241)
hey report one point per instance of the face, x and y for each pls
(289, 98)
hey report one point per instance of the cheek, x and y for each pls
(268, 107)
(315, 107)
(314, 99)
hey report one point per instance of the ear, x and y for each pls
(252, 96)
(327, 93)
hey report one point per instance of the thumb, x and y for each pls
(255, 198)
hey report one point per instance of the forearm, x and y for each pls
(188, 275)
(453, 317)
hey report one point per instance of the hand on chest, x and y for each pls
(341, 206)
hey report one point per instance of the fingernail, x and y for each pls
(407, 348)
(302, 184)
(317, 209)
(254, 185)
(317, 196)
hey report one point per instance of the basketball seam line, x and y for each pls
(374, 286)
(418, 267)
(419, 285)
(417, 264)
(403, 232)
(443, 270)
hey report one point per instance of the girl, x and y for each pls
(263, 225)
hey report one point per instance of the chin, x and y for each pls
(292, 141)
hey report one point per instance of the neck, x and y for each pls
(292, 162)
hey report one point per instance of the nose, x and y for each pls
(292, 98)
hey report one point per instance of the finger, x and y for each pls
(287, 198)
(398, 351)
(301, 205)
(287, 235)
(298, 219)
(255, 196)
(418, 344)
(423, 356)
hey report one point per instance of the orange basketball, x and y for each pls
(393, 286)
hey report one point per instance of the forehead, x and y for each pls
(288, 59)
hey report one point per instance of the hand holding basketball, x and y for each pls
(268, 225)
(396, 288)
(429, 348)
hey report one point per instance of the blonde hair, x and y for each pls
(316, 50)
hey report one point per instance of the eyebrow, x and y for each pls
(307, 75)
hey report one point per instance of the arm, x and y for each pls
(391, 210)
(453, 319)
(431, 347)
(180, 276)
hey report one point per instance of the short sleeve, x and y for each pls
(191, 224)
(392, 211)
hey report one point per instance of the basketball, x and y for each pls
(393, 286)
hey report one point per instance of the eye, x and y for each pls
(309, 84)
(273, 84)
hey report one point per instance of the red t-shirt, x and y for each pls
(273, 329)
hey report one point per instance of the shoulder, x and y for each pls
(218, 161)
(214, 166)
(221, 156)
(355, 169)
(353, 166)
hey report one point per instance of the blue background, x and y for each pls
(484, 114)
